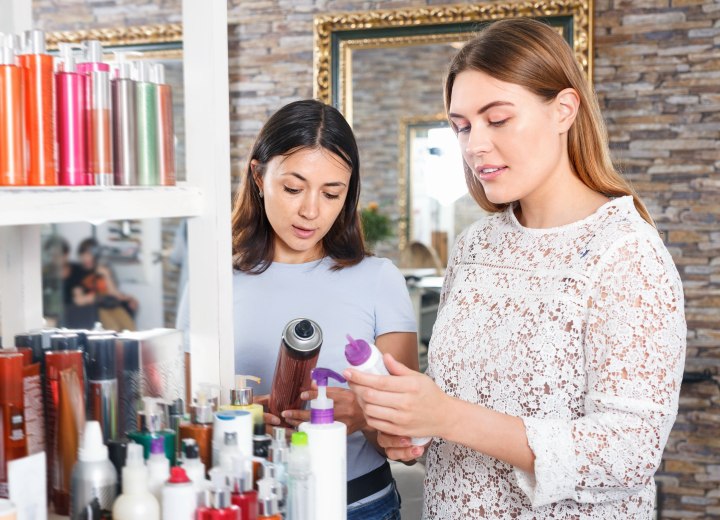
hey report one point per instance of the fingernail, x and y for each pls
(405, 442)
(417, 451)
(347, 374)
(304, 395)
(286, 415)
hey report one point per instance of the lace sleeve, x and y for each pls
(634, 356)
(455, 258)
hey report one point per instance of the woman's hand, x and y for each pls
(270, 419)
(407, 404)
(399, 447)
(347, 409)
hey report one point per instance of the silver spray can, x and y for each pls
(93, 486)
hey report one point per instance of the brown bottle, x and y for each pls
(13, 442)
(201, 428)
(298, 355)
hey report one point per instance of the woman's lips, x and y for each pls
(488, 173)
(302, 232)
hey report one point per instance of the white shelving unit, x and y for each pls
(205, 197)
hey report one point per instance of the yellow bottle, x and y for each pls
(241, 398)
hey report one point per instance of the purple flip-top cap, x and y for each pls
(326, 416)
(357, 351)
(157, 445)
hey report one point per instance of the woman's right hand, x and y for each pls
(399, 447)
(270, 419)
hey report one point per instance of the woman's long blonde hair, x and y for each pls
(531, 54)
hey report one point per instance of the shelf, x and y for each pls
(96, 204)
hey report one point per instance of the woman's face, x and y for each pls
(304, 193)
(514, 142)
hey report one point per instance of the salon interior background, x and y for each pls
(656, 72)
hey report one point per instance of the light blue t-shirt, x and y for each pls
(365, 301)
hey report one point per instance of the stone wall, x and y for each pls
(657, 71)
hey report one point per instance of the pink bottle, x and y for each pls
(70, 90)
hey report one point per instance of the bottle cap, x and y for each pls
(124, 68)
(92, 448)
(279, 450)
(67, 56)
(202, 410)
(218, 496)
(321, 408)
(178, 476)
(101, 357)
(299, 439)
(151, 419)
(357, 351)
(191, 450)
(242, 394)
(267, 500)
(303, 336)
(157, 73)
(93, 51)
(117, 452)
(261, 445)
(135, 458)
(35, 40)
(65, 341)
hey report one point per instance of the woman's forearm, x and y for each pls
(493, 433)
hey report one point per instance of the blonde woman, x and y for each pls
(557, 355)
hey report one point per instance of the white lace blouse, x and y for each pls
(580, 331)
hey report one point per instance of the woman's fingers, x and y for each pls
(271, 419)
(404, 454)
(393, 441)
(295, 417)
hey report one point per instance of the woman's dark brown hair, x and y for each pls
(306, 124)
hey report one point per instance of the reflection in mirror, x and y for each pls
(124, 274)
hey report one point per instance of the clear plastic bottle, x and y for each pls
(299, 499)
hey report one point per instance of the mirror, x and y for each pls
(385, 70)
(147, 259)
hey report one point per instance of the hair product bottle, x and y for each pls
(268, 508)
(94, 476)
(238, 422)
(366, 357)
(201, 426)
(165, 127)
(12, 150)
(300, 491)
(278, 454)
(243, 494)
(102, 384)
(179, 498)
(327, 441)
(147, 149)
(298, 355)
(217, 501)
(158, 468)
(124, 110)
(136, 501)
(152, 426)
(13, 441)
(192, 465)
(70, 94)
(241, 398)
(39, 113)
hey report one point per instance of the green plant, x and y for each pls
(376, 226)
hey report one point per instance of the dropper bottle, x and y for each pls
(136, 501)
(70, 95)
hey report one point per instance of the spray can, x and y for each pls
(102, 384)
(298, 355)
(93, 476)
(366, 357)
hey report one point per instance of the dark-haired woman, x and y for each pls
(298, 252)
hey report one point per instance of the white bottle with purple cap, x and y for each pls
(366, 357)
(327, 445)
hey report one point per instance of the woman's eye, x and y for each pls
(332, 196)
(498, 123)
(292, 191)
(463, 129)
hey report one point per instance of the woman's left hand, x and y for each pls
(347, 409)
(406, 403)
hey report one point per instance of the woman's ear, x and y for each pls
(257, 178)
(567, 103)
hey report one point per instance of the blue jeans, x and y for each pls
(386, 507)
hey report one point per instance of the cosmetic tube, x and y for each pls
(99, 128)
(298, 355)
(94, 477)
(12, 149)
(165, 127)
(13, 441)
(39, 111)
(147, 149)
(70, 423)
(102, 384)
(70, 94)
(124, 109)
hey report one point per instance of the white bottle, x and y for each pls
(136, 501)
(300, 485)
(179, 498)
(192, 465)
(93, 476)
(327, 442)
(366, 357)
(158, 468)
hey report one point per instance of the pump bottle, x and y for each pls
(217, 501)
(152, 426)
(243, 494)
(268, 508)
(241, 398)
(327, 441)
(201, 427)
(136, 501)
(93, 476)
(192, 465)
(366, 357)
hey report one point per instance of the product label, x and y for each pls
(34, 419)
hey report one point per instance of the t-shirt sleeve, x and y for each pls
(393, 308)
